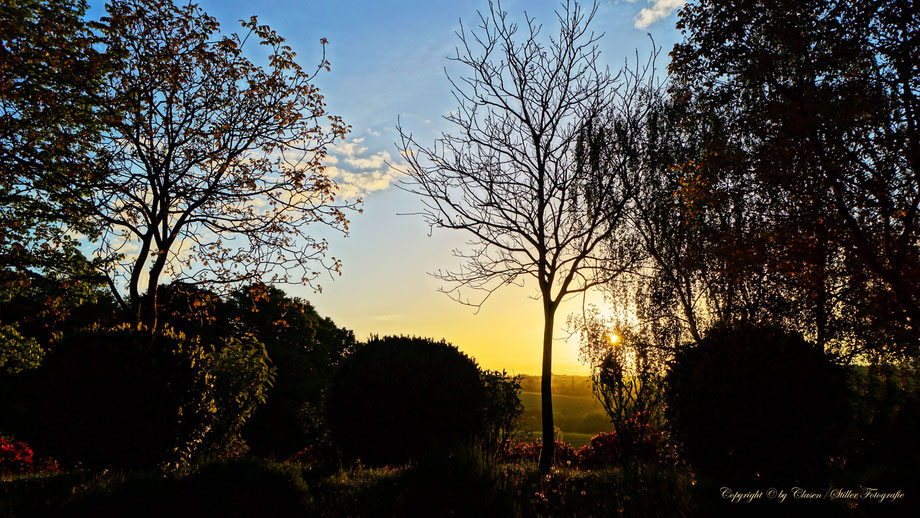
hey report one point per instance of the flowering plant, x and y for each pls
(17, 457)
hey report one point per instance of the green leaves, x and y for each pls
(51, 119)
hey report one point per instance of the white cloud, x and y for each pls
(349, 149)
(356, 171)
(659, 9)
(375, 161)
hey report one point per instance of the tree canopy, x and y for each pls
(217, 162)
(51, 118)
(817, 107)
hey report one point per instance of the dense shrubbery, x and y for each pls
(605, 449)
(243, 376)
(306, 349)
(396, 398)
(882, 443)
(633, 443)
(242, 487)
(302, 348)
(122, 397)
(17, 457)
(754, 402)
(503, 411)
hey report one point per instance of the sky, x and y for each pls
(388, 61)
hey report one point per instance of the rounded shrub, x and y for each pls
(122, 397)
(756, 402)
(396, 398)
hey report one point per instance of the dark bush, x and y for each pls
(302, 349)
(122, 397)
(463, 483)
(503, 411)
(305, 348)
(756, 402)
(396, 398)
(244, 487)
(882, 449)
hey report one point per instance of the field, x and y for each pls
(579, 417)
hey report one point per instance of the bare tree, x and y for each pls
(216, 165)
(509, 174)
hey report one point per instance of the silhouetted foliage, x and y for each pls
(503, 410)
(463, 483)
(306, 349)
(396, 398)
(882, 445)
(51, 119)
(303, 350)
(819, 105)
(243, 376)
(244, 488)
(122, 397)
(627, 379)
(751, 402)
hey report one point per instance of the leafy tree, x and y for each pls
(51, 118)
(306, 350)
(507, 174)
(820, 101)
(216, 163)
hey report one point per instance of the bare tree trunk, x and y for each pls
(546, 393)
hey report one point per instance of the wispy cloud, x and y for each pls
(658, 10)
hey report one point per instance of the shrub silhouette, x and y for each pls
(122, 397)
(756, 402)
(396, 398)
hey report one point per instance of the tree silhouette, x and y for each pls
(507, 175)
(821, 101)
(217, 163)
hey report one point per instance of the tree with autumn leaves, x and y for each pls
(818, 107)
(168, 151)
(216, 166)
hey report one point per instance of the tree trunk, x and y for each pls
(549, 443)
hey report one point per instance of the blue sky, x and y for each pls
(388, 59)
